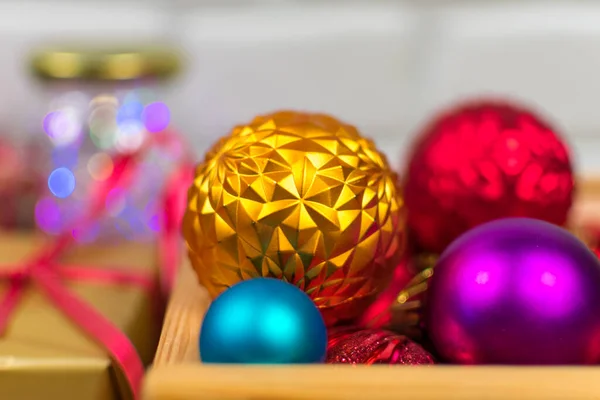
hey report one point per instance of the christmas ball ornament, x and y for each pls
(590, 235)
(263, 321)
(400, 306)
(374, 346)
(484, 161)
(516, 291)
(299, 197)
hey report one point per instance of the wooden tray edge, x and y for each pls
(188, 381)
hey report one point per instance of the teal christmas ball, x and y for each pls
(263, 321)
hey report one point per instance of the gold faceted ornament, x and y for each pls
(299, 197)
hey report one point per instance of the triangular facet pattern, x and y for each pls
(299, 197)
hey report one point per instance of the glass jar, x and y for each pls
(98, 104)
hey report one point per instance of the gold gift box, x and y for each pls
(44, 355)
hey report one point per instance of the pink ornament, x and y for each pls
(516, 291)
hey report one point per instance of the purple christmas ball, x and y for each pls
(516, 291)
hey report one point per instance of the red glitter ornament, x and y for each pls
(483, 161)
(374, 346)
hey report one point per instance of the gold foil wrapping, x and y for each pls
(43, 355)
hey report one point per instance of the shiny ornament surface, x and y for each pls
(299, 197)
(516, 291)
(590, 235)
(483, 161)
(400, 307)
(374, 346)
(263, 321)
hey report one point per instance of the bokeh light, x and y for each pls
(61, 182)
(104, 99)
(156, 117)
(103, 125)
(100, 166)
(85, 130)
(130, 111)
(130, 136)
(62, 126)
(47, 215)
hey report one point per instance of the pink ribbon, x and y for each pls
(46, 273)
(174, 204)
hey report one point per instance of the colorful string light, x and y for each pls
(100, 166)
(84, 133)
(156, 117)
(61, 182)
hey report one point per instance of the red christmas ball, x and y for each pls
(590, 235)
(483, 161)
(374, 346)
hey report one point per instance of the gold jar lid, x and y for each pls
(105, 65)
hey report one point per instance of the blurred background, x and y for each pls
(385, 66)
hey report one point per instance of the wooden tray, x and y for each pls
(177, 374)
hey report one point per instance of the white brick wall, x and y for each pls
(383, 65)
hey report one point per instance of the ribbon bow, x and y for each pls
(45, 271)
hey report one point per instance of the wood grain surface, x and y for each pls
(178, 375)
